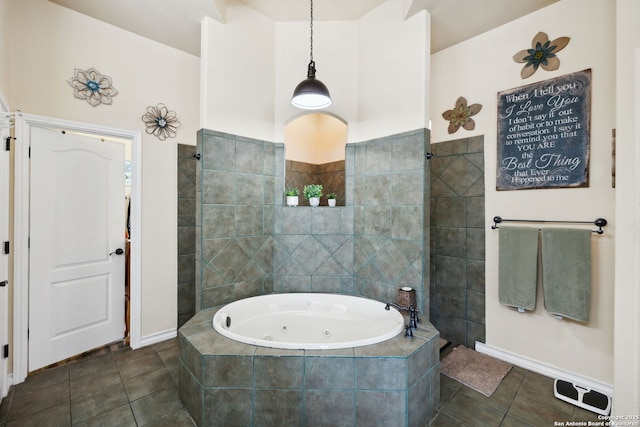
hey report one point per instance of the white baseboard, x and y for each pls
(4, 388)
(157, 337)
(544, 369)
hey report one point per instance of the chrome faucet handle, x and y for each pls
(408, 331)
(413, 315)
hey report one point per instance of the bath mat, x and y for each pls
(475, 370)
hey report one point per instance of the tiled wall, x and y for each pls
(237, 181)
(390, 215)
(458, 237)
(252, 244)
(329, 175)
(313, 250)
(186, 232)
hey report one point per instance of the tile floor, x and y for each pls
(523, 398)
(138, 388)
(111, 388)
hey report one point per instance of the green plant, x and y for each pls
(312, 190)
(291, 192)
(332, 196)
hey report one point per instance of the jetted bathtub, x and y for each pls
(308, 321)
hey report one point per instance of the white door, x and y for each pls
(77, 223)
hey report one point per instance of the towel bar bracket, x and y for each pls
(599, 222)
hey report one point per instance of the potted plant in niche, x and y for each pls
(313, 192)
(292, 196)
(331, 199)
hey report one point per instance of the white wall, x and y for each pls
(627, 265)
(375, 68)
(237, 74)
(393, 73)
(480, 68)
(5, 312)
(48, 43)
(5, 43)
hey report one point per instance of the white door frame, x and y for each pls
(24, 122)
(5, 381)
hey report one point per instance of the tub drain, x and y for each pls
(327, 333)
(284, 329)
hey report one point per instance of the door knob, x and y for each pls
(118, 251)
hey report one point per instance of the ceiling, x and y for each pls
(176, 23)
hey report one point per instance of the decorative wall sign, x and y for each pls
(542, 54)
(161, 122)
(544, 134)
(92, 86)
(461, 115)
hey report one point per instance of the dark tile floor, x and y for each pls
(139, 388)
(523, 398)
(111, 388)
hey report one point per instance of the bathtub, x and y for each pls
(225, 382)
(308, 321)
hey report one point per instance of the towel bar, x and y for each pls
(599, 222)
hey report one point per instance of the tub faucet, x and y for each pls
(413, 317)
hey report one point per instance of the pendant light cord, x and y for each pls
(311, 27)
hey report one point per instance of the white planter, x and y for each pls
(292, 200)
(314, 201)
(332, 202)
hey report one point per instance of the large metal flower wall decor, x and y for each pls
(92, 86)
(461, 115)
(161, 122)
(542, 54)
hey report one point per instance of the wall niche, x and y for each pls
(315, 154)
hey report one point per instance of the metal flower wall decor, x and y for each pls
(92, 86)
(461, 115)
(542, 54)
(161, 122)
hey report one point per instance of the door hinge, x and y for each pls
(4, 283)
(5, 352)
(7, 144)
(6, 248)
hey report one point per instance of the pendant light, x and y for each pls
(311, 93)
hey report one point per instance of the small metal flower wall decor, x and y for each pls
(461, 115)
(161, 122)
(542, 54)
(92, 86)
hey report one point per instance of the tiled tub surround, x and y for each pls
(391, 188)
(236, 201)
(249, 243)
(227, 383)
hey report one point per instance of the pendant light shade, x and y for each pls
(311, 94)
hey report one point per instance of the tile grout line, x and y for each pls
(506, 412)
